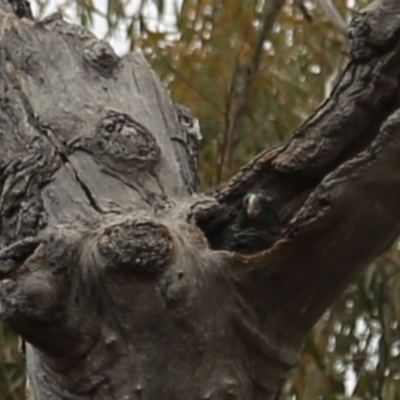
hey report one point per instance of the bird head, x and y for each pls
(257, 204)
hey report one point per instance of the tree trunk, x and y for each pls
(121, 279)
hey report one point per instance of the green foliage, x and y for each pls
(204, 65)
(202, 50)
(12, 379)
(359, 337)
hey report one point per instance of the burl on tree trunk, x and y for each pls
(125, 283)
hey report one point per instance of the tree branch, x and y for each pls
(345, 154)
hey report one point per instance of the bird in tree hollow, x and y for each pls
(256, 227)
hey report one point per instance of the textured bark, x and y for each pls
(110, 267)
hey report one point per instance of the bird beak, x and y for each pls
(253, 206)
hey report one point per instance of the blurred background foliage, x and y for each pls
(250, 87)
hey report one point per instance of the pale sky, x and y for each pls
(119, 42)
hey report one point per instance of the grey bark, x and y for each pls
(110, 267)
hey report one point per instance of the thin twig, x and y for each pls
(229, 103)
(271, 11)
(334, 16)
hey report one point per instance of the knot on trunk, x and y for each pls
(143, 247)
(48, 283)
(32, 272)
(101, 56)
(369, 36)
(122, 143)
